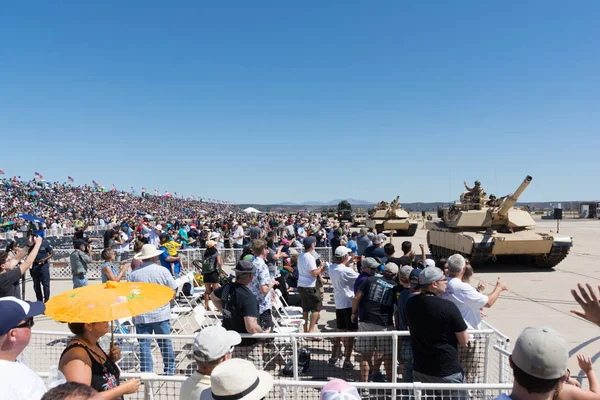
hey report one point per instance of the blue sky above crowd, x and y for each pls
(275, 101)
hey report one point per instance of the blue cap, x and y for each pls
(14, 311)
(413, 278)
(309, 241)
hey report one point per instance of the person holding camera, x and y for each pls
(80, 259)
(10, 269)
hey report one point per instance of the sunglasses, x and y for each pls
(27, 324)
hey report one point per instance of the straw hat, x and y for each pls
(148, 251)
(210, 243)
(238, 379)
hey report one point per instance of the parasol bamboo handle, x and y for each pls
(112, 333)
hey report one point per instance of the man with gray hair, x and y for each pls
(469, 302)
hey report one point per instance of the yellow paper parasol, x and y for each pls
(107, 302)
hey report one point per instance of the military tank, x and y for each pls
(484, 229)
(387, 217)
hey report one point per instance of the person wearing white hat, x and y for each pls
(212, 346)
(159, 320)
(237, 379)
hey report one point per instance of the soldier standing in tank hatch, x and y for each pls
(476, 191)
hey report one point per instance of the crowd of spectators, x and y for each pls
(64, 205)
(374, 290)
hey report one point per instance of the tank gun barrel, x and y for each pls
(510, 201)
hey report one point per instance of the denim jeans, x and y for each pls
(459, 377)
(407, 358)
(40, 274)
(79, 282)
(166, 347)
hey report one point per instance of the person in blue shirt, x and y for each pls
(352, 243)
(172, 263)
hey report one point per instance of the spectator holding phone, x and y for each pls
(10, 269)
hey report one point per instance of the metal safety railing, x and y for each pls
(158, 387)
(284, 355)
(60, 267)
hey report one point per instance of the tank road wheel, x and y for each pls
(550, 260)
(411, 230)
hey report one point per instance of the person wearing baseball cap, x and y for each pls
(539, 361)
(376, 299)
(212, 346)
(239, 307)
(339, 389)
(342, 279)
(436, 329)
(17, 381)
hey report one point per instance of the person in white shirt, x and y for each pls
(155, 236)
(238, 236)
(17, 381)
(469, 301)
(308, 273)
(212, 346)
(342, 279)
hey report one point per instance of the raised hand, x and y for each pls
(588, 302)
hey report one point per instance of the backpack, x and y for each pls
(208, 265)
(186, 289)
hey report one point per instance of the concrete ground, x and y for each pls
(534, 296)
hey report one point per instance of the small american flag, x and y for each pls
(95, 183)
(37, 175)
(192, 196)
(69, 179)
(1, 172)
(114, 187)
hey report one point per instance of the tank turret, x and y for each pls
(391, 217)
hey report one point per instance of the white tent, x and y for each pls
(252, 210)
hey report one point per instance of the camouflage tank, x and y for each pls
(387, 217)
(484, 229)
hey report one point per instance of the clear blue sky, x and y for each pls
(268, 101)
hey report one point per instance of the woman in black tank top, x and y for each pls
(84, 361)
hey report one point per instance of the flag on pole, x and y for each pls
(69, 179)
(95, 183)
(37, 175)
(114, 187)
(192, 196)
(1, 172)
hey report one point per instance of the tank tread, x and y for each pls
(552, 259)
